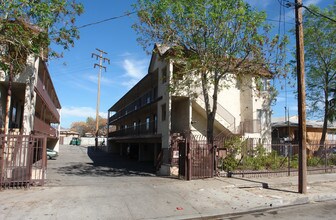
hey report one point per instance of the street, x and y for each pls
(321, 210)
(83, 183)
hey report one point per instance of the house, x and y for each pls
(33, 125)
(287, 129)
(149, 116)
(67, 135)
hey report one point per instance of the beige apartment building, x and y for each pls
(35, 107)
(33, 124)
(144, 121)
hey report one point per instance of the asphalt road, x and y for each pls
(312, 211)
(86, 184)
(78, 165)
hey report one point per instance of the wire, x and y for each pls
(317, 14)
(273, 20)
(108, 19)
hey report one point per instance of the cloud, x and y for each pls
(134, 71)
(72, 114)
(312, 2)
(135, 68)
(82, 112)
(103, 80)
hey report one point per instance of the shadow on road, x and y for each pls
(108, 165)
(264, 185)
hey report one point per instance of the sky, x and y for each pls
(76, 80)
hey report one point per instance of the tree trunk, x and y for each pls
(9, 99)
(325, 123)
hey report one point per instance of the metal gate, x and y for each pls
(196, 158)
(23, 160)
(201, 159)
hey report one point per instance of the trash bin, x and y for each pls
(75, 141)
(78, 142)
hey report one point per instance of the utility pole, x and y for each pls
(100, 65)
(301, 98)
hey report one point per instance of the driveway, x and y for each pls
(79, 165)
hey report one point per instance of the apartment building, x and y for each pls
(35, 107)
(144, 121)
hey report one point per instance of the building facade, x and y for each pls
(143, 122)
(34, 105)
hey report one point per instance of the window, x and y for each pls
(164, 74)
(155, 123)
(163, 112)
(147, 123)
(148, 97)
(264, 84)
(263, 117)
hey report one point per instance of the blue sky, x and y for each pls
(75, 77)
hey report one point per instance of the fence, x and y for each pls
(193, 156)
(252, 158)
(23, 160)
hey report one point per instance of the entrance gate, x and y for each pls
(23, 160)
(196, 158)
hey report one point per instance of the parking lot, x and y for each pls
(84, 165)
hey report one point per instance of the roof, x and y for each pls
(294, 122)
(164, 50)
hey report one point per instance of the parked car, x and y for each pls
(51, 154)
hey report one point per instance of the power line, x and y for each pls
(107, 19)
(318, 14)
(290, 4)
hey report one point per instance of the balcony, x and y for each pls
(138, 130)
(43, 128)
(47, 99)
(142, 102)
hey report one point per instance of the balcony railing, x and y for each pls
(42, 127)
(141, 129)
(148, 98)
(45, 96)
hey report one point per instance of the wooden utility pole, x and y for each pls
(100, 65)
(301, 98)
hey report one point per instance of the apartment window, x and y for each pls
(163, 112)
(148, 97)
(263, 117)
(147, 123)
(164, 74)
(263, 86)
(155, 123)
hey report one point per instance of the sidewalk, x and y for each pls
(162, 198)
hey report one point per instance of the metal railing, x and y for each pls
(140, 129)
(148, 98)
(274, 159)
(23, 160)
(223, 113)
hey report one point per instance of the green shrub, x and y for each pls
(294, 163)
(228, 163)
(332, 160)
(314, 161)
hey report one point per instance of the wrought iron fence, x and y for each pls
(254, 158)
(23, 160)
